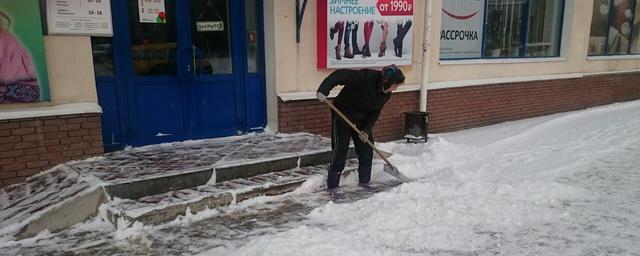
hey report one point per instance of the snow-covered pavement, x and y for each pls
(566, 184)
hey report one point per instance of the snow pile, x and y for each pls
(524, 191)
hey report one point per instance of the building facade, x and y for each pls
(212, 68)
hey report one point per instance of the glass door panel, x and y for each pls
(154, 44)
(254, 58)
(211, 36)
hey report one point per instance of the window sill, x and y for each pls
(57, 110)
(614, 57)
(500, 61)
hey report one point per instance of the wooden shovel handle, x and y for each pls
(353, 126)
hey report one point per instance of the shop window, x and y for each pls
(501, 29)
(615, 27)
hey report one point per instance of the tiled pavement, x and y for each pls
(171, 158)
(150, 172)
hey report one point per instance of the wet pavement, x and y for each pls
(171, 158)
(21, 203)
(233, 226)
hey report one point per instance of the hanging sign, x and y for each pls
(152, 11)
(364, 33)
(79, 17)
(208, 26)
(461, 34)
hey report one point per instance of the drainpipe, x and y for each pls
(426, 52)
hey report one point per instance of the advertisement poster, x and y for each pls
(461, 34)
(152, 11)
(23, 71)
(364, 33)
(79, 17)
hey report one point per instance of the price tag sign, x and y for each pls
(79, 17)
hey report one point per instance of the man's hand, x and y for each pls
(321, 97)
(363, 136)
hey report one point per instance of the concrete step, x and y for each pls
(162, 208)
(216, 173)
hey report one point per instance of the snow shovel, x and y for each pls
(388, 167)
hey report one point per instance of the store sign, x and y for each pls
(364, 33)
(208, 26)
(152, 11)
(23, 68)
(79, 17)
(461, 34)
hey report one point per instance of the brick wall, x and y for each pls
(474, 106)
(28, 146)
(314, 117)
(466, 107)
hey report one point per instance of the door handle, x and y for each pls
(198, 61)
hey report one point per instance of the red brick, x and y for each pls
(94, 119)
(27, 172)
(76, 120)
(96, 131)
(23, 131)
(55, 122)
(90, 125)
(37, 164)
(69, 127)
(92, 138)
(49, 142)
(79, 145)
(6, 147)
(73, 153)
(11, 153)
(7, 175)
(25, 144)
(71, 140)
(14, 167)
(57, 135)
(77, 133)
(51, 156)
(9, 126)
(47, 129)
(32, 123)
(93, 151)
(33, 137)
(35, 151)
(5, 133)
(57, 148)
(6, 161)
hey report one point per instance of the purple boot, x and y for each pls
(336, 194)
(373, 188)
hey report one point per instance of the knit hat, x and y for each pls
(391, 75)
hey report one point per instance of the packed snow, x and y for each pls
(565, 184)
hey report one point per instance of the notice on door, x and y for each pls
(79, 17)
(152, 11)
(207, 26)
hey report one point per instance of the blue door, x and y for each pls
(196, 72)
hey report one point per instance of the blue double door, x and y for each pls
(193, 70)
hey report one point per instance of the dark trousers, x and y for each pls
(341, 134)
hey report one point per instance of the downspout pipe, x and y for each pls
(426, 53)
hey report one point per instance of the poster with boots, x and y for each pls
(364, 33)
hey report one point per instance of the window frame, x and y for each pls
(523, 38)
(605, 53)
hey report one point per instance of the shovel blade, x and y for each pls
(393, 171)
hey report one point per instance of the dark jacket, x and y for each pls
(361, 99)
